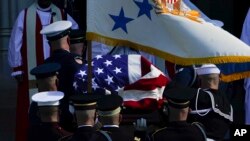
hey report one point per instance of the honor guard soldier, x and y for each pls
(46, 80)
(85, 113)
(177, 128)
(48, 111)
(210, 106)
(78, 44)
(57, 35)
(46, 76)
(108, 111)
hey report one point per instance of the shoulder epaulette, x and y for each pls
(157, 132)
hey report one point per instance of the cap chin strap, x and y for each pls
(109, 113)
(178, 105)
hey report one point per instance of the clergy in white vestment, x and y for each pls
(27, 49)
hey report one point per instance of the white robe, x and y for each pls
(245, 37)
(16, 38)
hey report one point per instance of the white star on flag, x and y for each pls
(98, 57)
(109, 79)
(95, 86)
(82, 73)
(117, 56)
(118, 88)
(99, 71)
(108, 63)
(117, 70)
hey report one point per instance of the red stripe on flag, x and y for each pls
(147, 103)
(145, 66)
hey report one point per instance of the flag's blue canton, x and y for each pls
(109, 72)
(145, 8)
(120, 21)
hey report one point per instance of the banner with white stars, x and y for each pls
(175, 38)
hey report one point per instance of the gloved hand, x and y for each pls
(71, 109)
(140, 124)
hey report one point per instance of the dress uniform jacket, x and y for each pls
(115, 133)
(46, 132)
(217, 113)
(81, 134)
(179, 131)
(69, 66)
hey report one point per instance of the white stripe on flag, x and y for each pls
(137, 95)
(153, 73)
(134, 68)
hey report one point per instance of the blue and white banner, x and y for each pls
(180, 39)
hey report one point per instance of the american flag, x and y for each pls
(131, 76)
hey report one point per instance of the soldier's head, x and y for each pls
(178, 101)
(48, 103)
(209, 76)
(77, 41)
(57, 34)
(84, 108)
(46, 76)
(109, 108)
(44, 3)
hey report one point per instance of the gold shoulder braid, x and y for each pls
(152, 136)
(199, 126)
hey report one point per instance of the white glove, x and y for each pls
(140, 124)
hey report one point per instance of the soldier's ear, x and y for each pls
(68, 40)
(57, 82)
(220, 78)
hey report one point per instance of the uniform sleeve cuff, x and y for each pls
(16, 73)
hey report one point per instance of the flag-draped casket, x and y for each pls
(133, 77)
